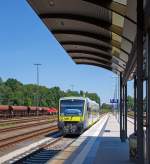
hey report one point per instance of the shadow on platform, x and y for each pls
(95, 150)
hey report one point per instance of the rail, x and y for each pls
(21, 137)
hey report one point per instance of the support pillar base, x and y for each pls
(123, 136)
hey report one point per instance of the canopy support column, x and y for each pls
(148, 100)
(126, 110)
(121, 106)
(135, 104)
(140, 133)
(122, 111)
(148, 96)
(123, 130)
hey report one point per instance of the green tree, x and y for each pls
(13, 92)
(106, 106)
(130, 102)
(93, 96)
(72, 93)
(14, 84)
(1, 81)
(54, 95)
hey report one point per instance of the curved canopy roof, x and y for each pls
(93, 32)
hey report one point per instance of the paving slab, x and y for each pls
(82, 145)
(111, 150)
(100, 144)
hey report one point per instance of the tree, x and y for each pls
(54, 95)
(130, 102)
(1, 81)
(72, 93)
(82, 93)
(93, 96)
(13, 92)
(14, 84)
(106, 107)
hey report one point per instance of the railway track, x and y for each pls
(144, 120)
(21, 137)
(45, 152)
(49, 119)
(18, 127)
(131, 116)
(23, 120)
(42, 153)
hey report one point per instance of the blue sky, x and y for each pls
(24, 40)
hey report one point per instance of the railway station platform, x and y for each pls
(99, 144)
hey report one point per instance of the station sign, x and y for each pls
(114, 101)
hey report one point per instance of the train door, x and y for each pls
(89, 111)
(86, 123)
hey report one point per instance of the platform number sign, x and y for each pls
(113, 101)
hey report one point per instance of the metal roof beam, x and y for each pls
(114, 43)
(108, 63)
(131, 63)
(88, 44)
(79, 17)
(117, 44)
(115, 7)
(83, 33)
(72, 50)
(93, 63)
(95, 21)
(97, 60)
(89, 62)
(90, 52)
(85, 55)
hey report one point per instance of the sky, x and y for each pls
(25, 40)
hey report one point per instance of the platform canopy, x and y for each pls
(93, 32)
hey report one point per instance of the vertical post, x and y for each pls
(135, 101)
(118, 97)
(126, 110)
(148, 97)
(140, 134)
(37, 72)
(123, 113)
(121, 106)
(147, 16)
(72, 87)
(123, 110)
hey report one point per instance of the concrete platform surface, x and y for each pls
(98, 145)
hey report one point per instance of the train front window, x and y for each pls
(71, 107)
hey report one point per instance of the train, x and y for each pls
(9, 111)
(76, 114)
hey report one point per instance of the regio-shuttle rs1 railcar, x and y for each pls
(77, 114)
